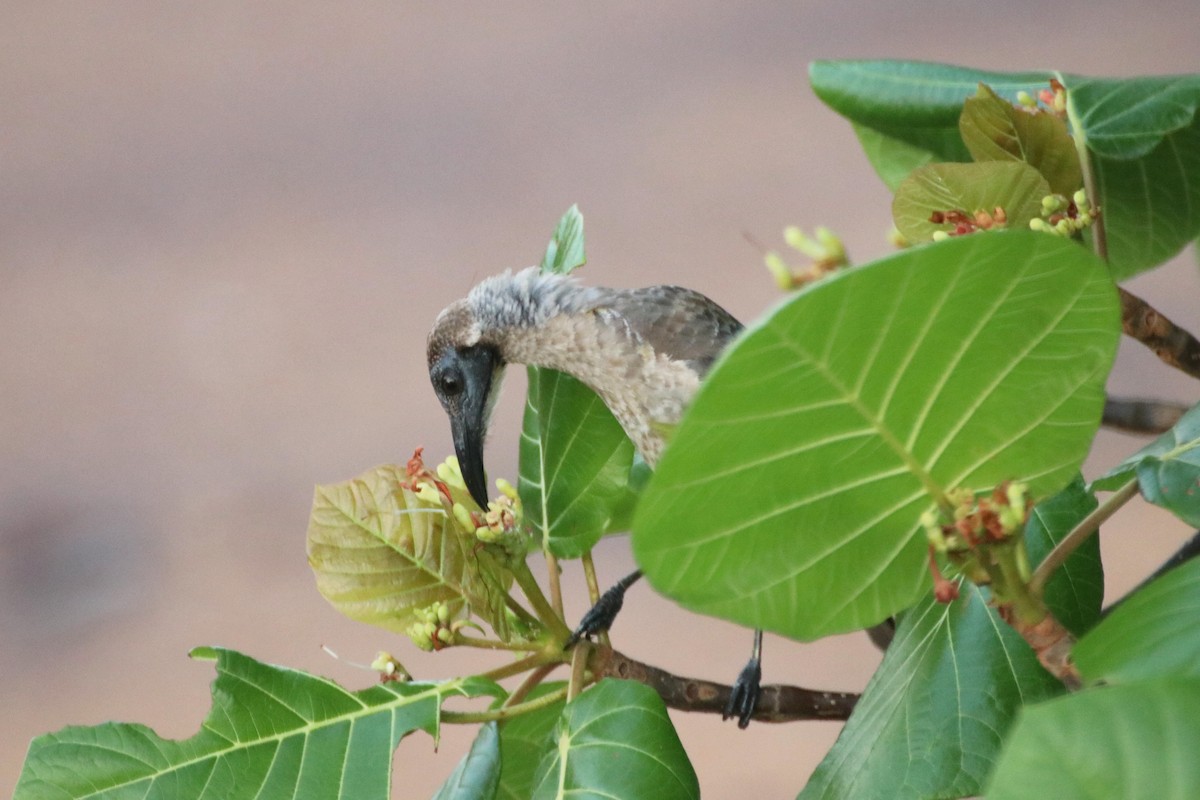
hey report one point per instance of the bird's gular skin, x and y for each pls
(466, 381)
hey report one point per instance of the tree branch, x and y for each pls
(1141, 416)
(1172, 344)
(777, 703)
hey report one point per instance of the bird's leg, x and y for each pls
(744, 697)
(600, 616)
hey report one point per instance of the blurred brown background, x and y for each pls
(226, 227)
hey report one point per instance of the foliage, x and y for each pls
(887, 423)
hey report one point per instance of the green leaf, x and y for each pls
(932, 720)
(524, 742)
(575, 459)
(790, 496)
(1150, 205)
(995, 130)
(272, 732)
(575, 464)
(1013, 186)
(1142, 133)
(1128, 118)
(893, 159)
(912, 103)
(1151, 634)
(478, 773)
(616, 741)
(1132, 742)
(1075, 591)
(565, 252)
(1167, 469)
(380, 554)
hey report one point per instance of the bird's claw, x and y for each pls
(743, 699)
(599, 617)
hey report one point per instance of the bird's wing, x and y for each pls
(680, 323)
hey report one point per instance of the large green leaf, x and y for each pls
(910, 108)
(1142, 133)
(575, 460)
(791, 493)
(1167, 469)
(380, 555)
(1150, 204)
(932, 720)
(272, 733)
(1153, 633)
(616, 741)
(1133, 742)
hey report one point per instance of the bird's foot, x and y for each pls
(743, 699)
(600, 616)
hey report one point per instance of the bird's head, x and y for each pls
(465, 372)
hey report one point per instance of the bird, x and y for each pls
(643, 351)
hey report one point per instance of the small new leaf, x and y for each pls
(381, 554)
(938, 198)
(996, 130)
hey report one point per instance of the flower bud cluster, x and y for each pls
(964, 222)
(978, 520)
(824, 248)
(981, 537)
(435, 627)
(502, 523)
(390, 670)
(1064, 216)
(1053, 100)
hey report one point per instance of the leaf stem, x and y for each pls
(521, 665)
(529, 684)
(1090, 524)
(589, 574)
(521, 611)
(554, 576)
(579, 662)
(1099, 237)
(541, 606)
(504, 711)
(494, 644)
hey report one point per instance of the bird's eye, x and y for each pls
(451, 384)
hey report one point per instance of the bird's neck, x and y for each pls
(646, 391)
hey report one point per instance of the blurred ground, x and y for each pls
(226, 227)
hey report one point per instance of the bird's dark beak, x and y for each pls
(469, 410)
(468, 429)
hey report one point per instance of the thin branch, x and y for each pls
(1141, 416)
(776, 703)
(1175, 346)
(1068, 544)
(503, 712)
(530, 683)
(521, 665)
